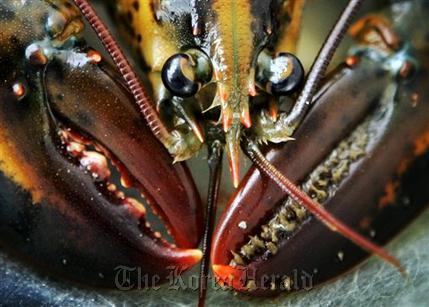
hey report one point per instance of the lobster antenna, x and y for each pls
(315, 208)
(215, 165)
(129, 75)
(321, 63)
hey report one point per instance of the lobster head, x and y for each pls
(217, 62)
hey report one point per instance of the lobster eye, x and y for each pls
(281, 75)
(184, 74)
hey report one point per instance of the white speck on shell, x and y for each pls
(242, 225)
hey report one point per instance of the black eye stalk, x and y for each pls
(281, 75)
(185, 73)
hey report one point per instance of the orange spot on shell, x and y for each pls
(94, 56)
(403, 166)
(415, 99)
(38, 58)
(406, 69)
(421, 144)
(352, 60)
(18, 89)
(390, 194)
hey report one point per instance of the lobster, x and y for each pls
(333, 143)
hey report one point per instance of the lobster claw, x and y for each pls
(75, 153)
(358, 153)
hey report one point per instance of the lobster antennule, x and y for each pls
(315, 208)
